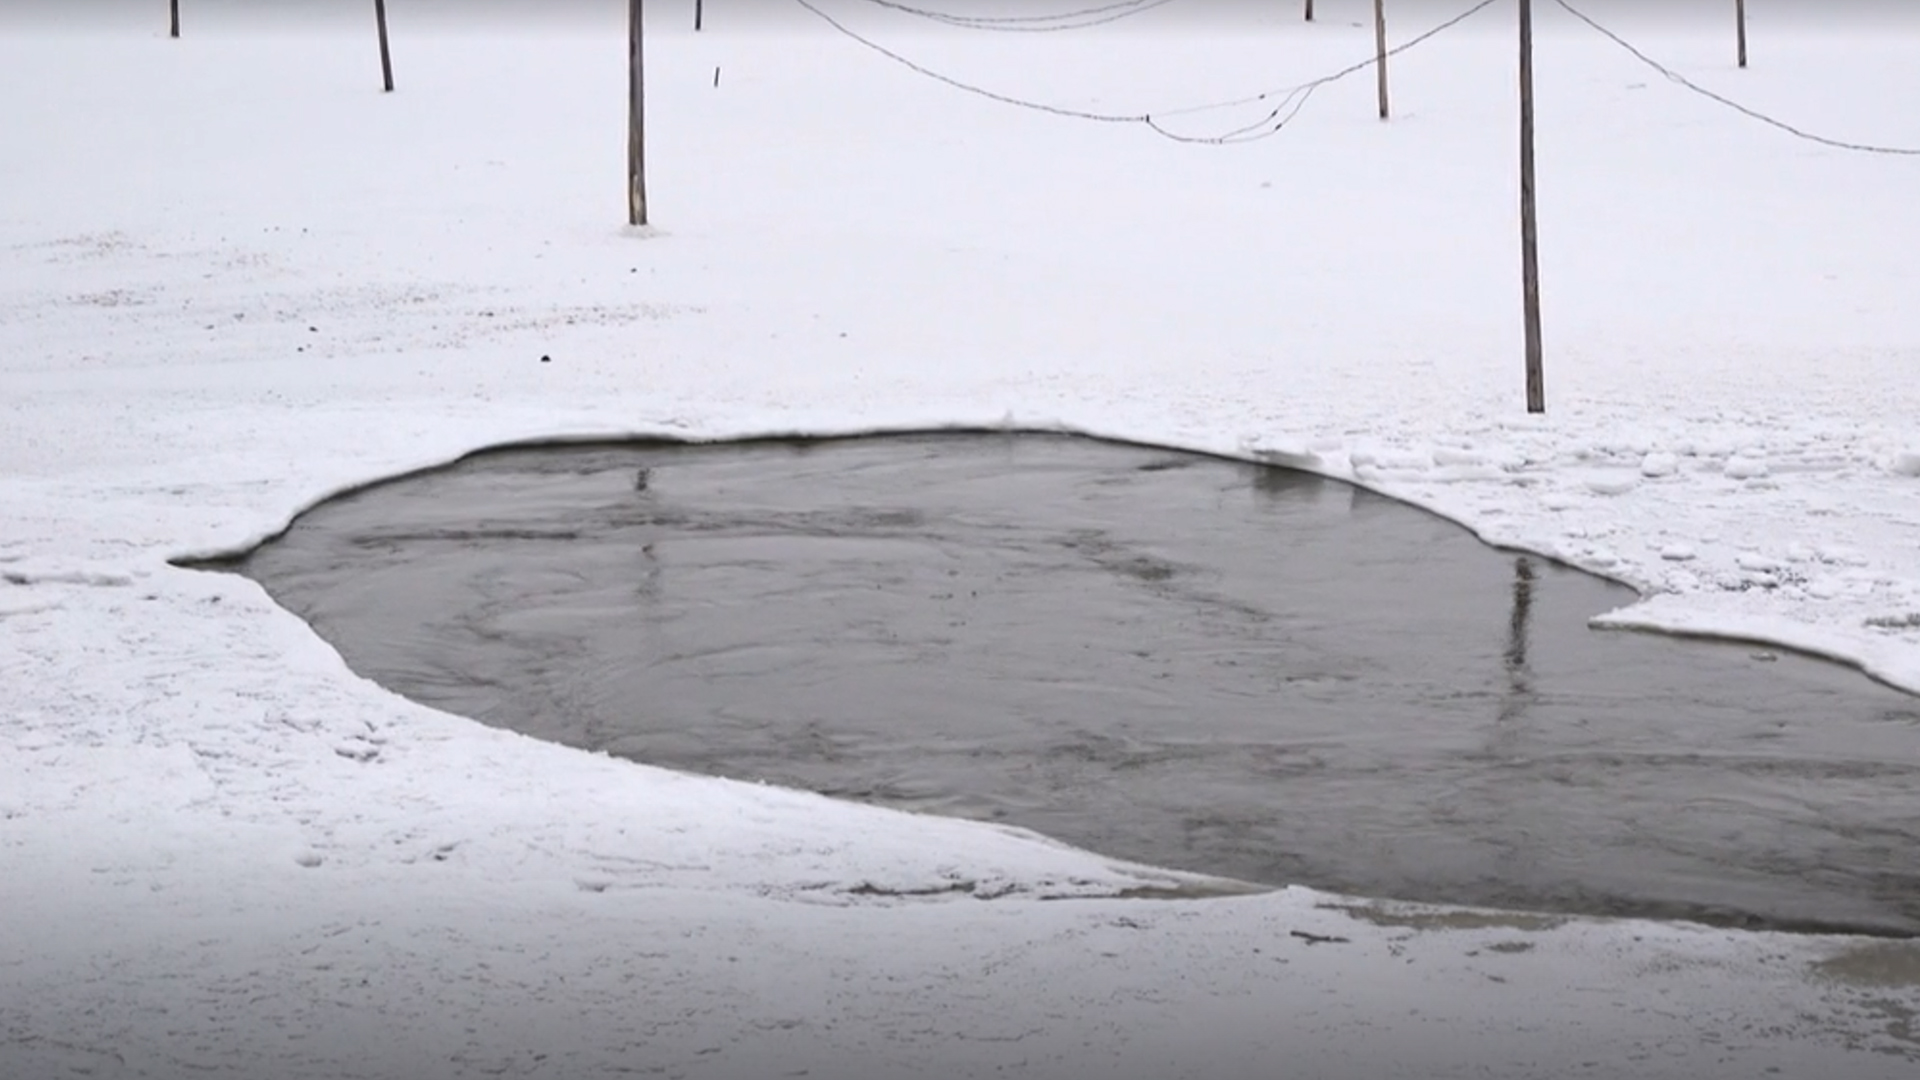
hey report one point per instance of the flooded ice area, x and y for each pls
(1201, 664)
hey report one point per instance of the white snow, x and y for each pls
(1658, 464)
(237, 279)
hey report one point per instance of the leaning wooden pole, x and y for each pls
(1380, 52)
(1740, 28)
(1529, 230)
(386, 58)
(173, 8)
(636, 115)
(699, 14)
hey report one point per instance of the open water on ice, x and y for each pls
(1201, 664)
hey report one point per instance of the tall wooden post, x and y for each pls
(1529, 230)
(636, 114)
(173, 8)
(699, 10)
(1380, 51)
(1740, 28)
(1309, 10)
(386, 58)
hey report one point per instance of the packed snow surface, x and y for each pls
(237, 279)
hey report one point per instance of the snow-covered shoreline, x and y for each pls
(238, 280)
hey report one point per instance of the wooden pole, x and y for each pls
(1740, 28)
(1380, 51)
(173, 7)
(636, 115)
(699, 7)
(1529, 230)
(1309, 10)
(386, 58)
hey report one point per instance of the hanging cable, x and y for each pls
(1294, 98)
(1681, 80)
(993, 95)
(1290, 99)
(1070, 20)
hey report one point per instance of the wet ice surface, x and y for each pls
(1169, 658)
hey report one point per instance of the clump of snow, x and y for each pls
(1599, 557)
(1617, 482)
(1905, 462)
(1843, 554)
(1275, 450)
(1659, 463)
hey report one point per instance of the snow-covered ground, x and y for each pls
(236, 279)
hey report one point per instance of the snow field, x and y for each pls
(237, 280)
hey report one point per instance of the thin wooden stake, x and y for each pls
(636, 114)
(173, 6)
(1380, 51)
(1529, 229)
(386, 58)
(1740, 28)
(1309, 10)
(699, 10)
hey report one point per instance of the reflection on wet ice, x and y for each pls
(1235, 669)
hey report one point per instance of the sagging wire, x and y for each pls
(1682, 81)
(1068, 20)
(1290, 99)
